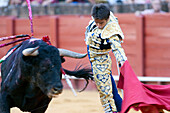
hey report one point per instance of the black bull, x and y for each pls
(31, 76)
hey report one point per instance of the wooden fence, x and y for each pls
(157, 45)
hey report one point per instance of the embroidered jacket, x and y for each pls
(99, 40)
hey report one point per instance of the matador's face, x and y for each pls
(100, 23)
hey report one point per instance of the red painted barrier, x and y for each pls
(157, 44)
(6, 29)
(42, 25)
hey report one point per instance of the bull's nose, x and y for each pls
(57, 90)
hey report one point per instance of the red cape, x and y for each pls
(147, 98)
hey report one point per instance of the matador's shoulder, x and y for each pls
(112, 28)
(91, 26)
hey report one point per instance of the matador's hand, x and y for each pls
(121, 63)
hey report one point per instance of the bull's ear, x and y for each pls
(30, 51)
(62, 59)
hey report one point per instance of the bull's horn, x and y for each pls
(30, 51)
(68, 53)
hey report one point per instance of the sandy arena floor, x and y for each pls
(84, 102)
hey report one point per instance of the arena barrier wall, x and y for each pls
(6, 29)
(146, 41)
(157, 45)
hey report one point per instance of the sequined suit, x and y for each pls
(99, 43)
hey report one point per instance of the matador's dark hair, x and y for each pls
(100, 11)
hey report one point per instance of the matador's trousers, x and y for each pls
(110, 99)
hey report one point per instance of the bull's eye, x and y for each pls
(47, 68)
